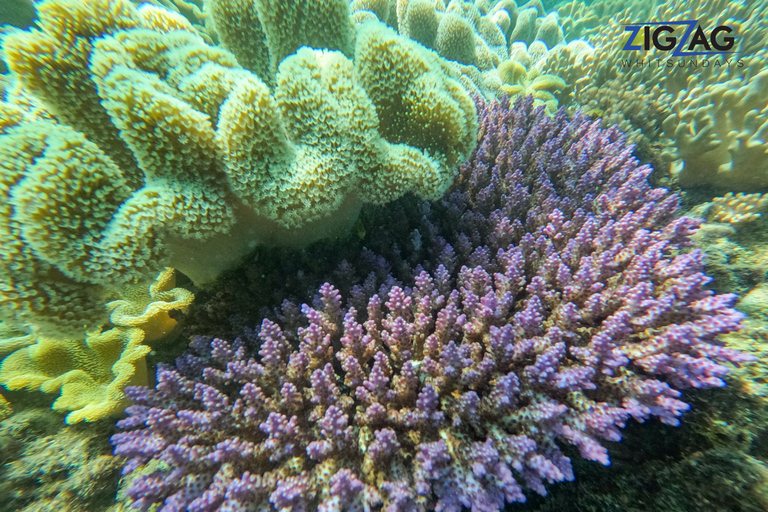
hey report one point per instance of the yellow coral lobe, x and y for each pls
(5, 408)
(511, 71)
(149, 312)
(162, 20)
(88, 374)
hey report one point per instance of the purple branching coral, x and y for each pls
(557, 301)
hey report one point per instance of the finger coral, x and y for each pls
(556, 301)
(159, 150)
(737, 208)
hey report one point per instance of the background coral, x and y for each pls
(737, 208)
(716, 112)
(47, 467)
(475, 37)
(552, 305)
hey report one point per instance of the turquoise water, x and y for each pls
(383, 255)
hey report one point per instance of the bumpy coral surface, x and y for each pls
(557, 302)
(46, 467)
(474, 36)
(160, 150)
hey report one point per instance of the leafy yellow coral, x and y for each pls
(89, 374)
(149, 312)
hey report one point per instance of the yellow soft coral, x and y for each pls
(89, 375)
(5, 408)
(149, 311)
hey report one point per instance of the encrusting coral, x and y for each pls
(549, 300)
(159, 150)
(47, 467)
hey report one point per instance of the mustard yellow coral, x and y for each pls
(149, 311)
(88, 374)
(5, 408)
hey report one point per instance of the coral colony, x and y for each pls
(558, 301)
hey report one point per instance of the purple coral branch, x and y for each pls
(555, 301)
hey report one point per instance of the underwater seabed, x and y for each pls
(391, 255)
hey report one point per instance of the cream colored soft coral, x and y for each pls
(157, 149)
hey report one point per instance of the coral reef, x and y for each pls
(639, 112)
(720, 127)
(554, 303)
(714, 461)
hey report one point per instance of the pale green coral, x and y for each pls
(475, 37)
(158, 149)
(720, 126)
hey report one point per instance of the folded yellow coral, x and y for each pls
(149, 311)
(90, 374)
